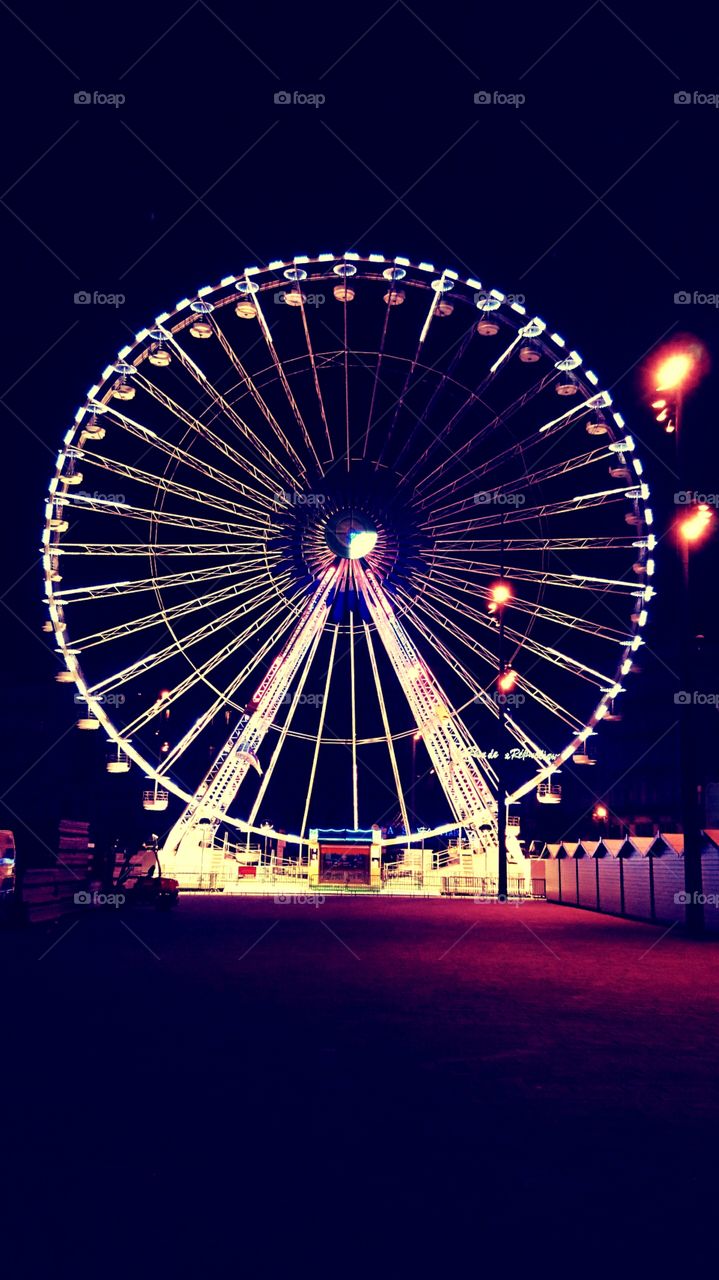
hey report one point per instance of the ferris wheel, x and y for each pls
(332, 512)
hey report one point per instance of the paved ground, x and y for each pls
(437, 1074)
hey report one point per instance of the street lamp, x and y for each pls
(676, 371)
(696, 523)
(507, 680)
(500, 594)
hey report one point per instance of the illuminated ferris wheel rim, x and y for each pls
(303, 270)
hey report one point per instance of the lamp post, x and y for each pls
(500, 594)
(676, 372)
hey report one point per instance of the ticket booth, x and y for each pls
(346, 858)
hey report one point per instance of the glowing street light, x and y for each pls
(507, 680)
(499, 594)
(696, 523)
(674, 371)
(600, 813)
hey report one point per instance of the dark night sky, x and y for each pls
(595, 199)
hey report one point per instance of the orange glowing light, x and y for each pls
(501, 592)
(674, 371)
(601, 812)
(507, 681)
(675, 368)
(694, 525)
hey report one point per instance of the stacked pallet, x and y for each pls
(50, 892)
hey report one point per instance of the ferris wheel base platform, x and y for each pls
(287, 884)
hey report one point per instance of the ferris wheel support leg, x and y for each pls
(450, 746)
(189, 846)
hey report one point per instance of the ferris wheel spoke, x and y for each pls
(521, 639)
(159, 550)
(456, 456)
(527, 641)
(347, 382)
(540, 696)
(540, 544)
(378, 366)
(251, 386)
(524, 483)
(436, 297)
(149, 661)
(534, 609)
(245, 464)
(543, 577)
(385, 724)
(282, 738)
(162, 484)
(525, 515)
(473, 397)
(255, 441)
(315, 378)
(172, 613)
(190, 577)
(114, 507)
(459, 348)
(320, 728)
(270, 343)
(553, 426)
(480, 694)
(201, 672)
(520, 449)
(224, 698)
(155, 441)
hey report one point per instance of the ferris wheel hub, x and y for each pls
(351, 535)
